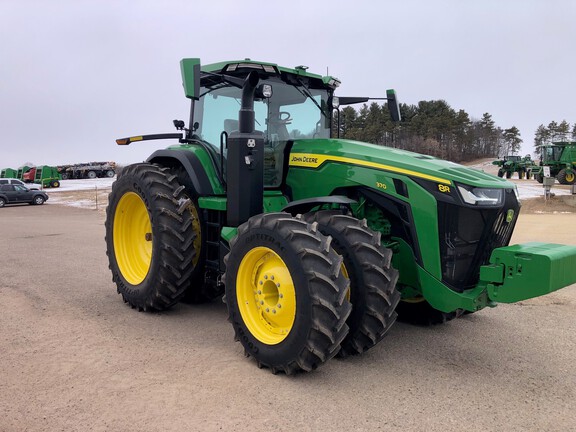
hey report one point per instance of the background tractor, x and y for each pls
(509, 165)
(561, 158)
(316, 242)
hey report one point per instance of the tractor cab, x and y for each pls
(288, 105)
(551, 153)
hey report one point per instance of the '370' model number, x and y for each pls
(380, 185)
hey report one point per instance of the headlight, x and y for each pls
(481, 196)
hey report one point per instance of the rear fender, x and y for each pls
(202, 175)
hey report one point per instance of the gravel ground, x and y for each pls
(74, 357)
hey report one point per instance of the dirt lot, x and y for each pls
(75, 358)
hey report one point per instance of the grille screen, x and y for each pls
(467, 237)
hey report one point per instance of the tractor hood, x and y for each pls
(315, 152)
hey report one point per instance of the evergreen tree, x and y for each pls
(511, 141)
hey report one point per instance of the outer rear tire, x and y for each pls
(373, 291)
(299, 324)
(149, 237)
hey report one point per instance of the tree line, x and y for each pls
(431, 127)
(554, 132)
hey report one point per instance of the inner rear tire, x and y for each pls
(373, 291)
(286, 294)
(149, 237)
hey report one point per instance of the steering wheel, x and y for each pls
(284, 117)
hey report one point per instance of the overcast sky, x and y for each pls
(75, 74)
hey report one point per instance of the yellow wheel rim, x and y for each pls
(132, 238)
(570, 177)
(266, 295)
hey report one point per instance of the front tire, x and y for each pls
(149, 237)
(566, 177)
(38, 200)
(367, 264)
(286, 294)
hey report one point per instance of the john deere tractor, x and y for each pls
(561, 158)
(315, 243)
(515, 164)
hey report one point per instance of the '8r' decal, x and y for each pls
(444, 188)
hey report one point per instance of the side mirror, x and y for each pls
(190, 69)
(393, 106)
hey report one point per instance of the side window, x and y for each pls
(3, 181)
(300, 116)
(6, 187)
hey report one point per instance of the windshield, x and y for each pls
(288, 114)
(293, 112)
(553, 153)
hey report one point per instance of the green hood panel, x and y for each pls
(315, 153)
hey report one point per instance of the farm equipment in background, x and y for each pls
(90, 170)
(8, 173)
(316, 242)
(21, 171)
(561, 158)
(44, 175)
(523, 166)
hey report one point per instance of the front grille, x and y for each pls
(467, 237)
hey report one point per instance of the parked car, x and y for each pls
(5, 181)
(15, 194)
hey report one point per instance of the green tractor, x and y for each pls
(511, 164)
(317, 243)
(561, 158)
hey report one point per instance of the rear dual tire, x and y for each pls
(150, 237)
